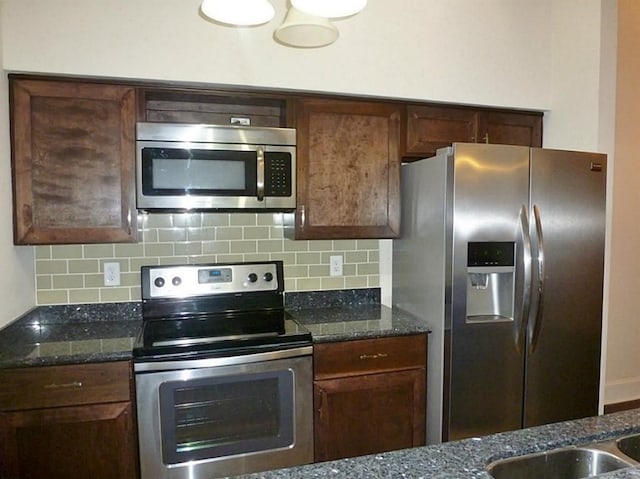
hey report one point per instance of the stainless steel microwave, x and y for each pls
(209, 167)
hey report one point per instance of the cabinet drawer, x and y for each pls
(367, 356)
(51, 386)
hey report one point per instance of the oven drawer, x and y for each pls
(365, 356)
(52, 386)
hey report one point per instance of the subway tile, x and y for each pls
(136, 293)
(332, 283)
(94, 280)
(276, 232)
(174, 234)
(52, 297)
(66, 251)
(270, 246)
(350, 269)
(308, 284)
(255, 232)
(319, 270)
(136, 263)
(86, 295)
(344, 245)
(44, 281)
(173, 260)
(229, 234)
(150, 236)
(98, 251)
(296, 271)
(229, 258)
(66, 281)
(318, 245)
(158, 220)
(286, 258)
(55, 348)
(43, 252)
(268, 219)
(204, 259)
(242, 219)
(130, 279)
(201, 234)
(215, 219)
(356, 257)
(256, 257)
(158, 249)
(244, 247)
(188, 249)
(374, 281)
(353, 282)
(365, 269)
(295, 245)
(184, 220)
(84, 266)
(85, 346)
(129, 250)
(368, 244)
(216, 247)
(374, 256)
(115, 294)
(51, 266)
(308, 258)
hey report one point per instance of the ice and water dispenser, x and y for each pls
(490, 281)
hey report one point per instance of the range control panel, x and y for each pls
(184, 281)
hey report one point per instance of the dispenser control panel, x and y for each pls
(490, 253)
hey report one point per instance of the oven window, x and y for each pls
(177, 172)
(227, 415)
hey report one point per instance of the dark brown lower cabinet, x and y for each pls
(66, 422)
(369, 396)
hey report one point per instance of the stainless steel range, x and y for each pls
(223, 375)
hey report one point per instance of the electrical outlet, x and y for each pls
(112, 274)
(335, 265)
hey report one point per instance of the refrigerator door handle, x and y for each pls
(537, 313)
(522, 321)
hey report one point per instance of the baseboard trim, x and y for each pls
(621, 406)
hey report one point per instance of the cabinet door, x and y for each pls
(348, 173)
(73, 149)
(431, 127)
(368, 414)
(507, 128)
(96, 441)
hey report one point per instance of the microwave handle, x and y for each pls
(260, 179)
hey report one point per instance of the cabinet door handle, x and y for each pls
(260, 167)
(302, 217)
(374, 356)
(486, 138)
(74, 384)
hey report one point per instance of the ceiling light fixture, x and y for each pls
(299, 29)
(238, 12)
(330, 8)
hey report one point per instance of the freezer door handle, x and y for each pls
(536, 313)
(524, 292)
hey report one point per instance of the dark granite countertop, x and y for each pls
(344, 323)
(468, 458)
(50, 335)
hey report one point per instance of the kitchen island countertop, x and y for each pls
(468, 458)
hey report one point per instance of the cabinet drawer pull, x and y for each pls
(74, 384)
(373, 356)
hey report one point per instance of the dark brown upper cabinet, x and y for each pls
(348, 169)
(73, 149)
(429, 127)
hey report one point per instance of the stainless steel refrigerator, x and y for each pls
(502, 253)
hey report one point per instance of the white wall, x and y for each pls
(480, 51)
(17, 279)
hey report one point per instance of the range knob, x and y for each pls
(176, 281)
(252, 278)
(159, 282)
(268, 276)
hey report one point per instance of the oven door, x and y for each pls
(210, 418)
(175, 175)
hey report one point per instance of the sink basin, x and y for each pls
(565, 463)
(630, 446)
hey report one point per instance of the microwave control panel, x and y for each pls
(277, 174)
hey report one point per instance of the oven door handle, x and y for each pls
(146, 365)
(260, 179)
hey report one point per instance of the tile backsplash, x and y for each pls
(69, 274)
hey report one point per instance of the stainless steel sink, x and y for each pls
(630, 445)
(565, 463)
